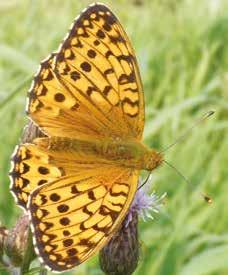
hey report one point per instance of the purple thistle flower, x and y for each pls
(144, 203)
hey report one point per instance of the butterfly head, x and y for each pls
(152, 160)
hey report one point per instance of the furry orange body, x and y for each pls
(130, 154)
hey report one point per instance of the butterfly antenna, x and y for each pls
(205, 197)
(145, 181)
(182, 137)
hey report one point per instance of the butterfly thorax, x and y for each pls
(128, 153)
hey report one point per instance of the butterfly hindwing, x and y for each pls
(33, 165)
(73, 217)
(31, 168)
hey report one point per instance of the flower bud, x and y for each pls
(30, 132)
(120, 256)
(3, 235)
(17, 240)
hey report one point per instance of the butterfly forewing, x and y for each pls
(74, 216)
(61, 108)
(98, 78)
(58, 111)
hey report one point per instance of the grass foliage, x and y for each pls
(181, 47)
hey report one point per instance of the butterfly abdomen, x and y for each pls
(127, 153)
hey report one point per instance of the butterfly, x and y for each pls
(78, 181)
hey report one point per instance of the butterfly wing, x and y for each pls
(30, 168)
(58, 111)
(91, 83)
(74, 216)
(33, 166)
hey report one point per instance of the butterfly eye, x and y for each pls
(154, 160)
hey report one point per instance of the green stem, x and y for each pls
(43, 272)
(29, 255)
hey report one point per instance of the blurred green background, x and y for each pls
(181, 48)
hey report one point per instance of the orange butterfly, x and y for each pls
(78, 183)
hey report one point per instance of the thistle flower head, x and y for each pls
(121, 255)
(144, 203)
(3, 235)
(16, 241)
